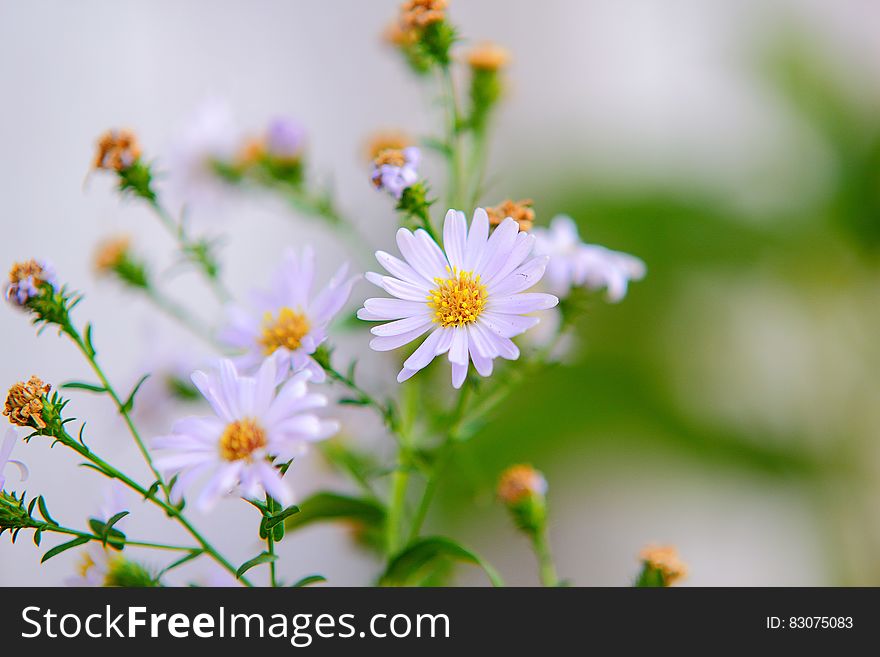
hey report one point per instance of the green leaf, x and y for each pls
(108, 535)
(263, 557)
(38, 537)
(44, 511)
(129, 403)
(82, 385)
(281, 516)
(88, 340)
(326, 506)
(189, 557)
(308, 580)
(58, 549)
(421, 555)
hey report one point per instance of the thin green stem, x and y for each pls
(545, 559)
(170, 510)
(123, 411)
(58, 529)
(399, 482)
(270, 542)
(386, 411)
(450, 100)
(193, 251)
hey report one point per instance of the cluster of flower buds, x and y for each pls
(422, 34)
(661, 566)
(523, 491)
(119, 152)
(33, 286)
(520, 211)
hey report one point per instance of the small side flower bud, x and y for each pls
(114, 256)
(383, 140)
(25, 403)
(396, 170)
(523, 490)
(422, 34)
(520, 211)
(117, 150)
(28, 279)
(14, 515)
(661, 566)
(488, 57)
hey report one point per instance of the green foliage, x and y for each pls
(332, 507)
(263, 557)
(420, 559)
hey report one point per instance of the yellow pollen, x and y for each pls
(86, 563)
(287, 330)
(241, 439)
(457, 300)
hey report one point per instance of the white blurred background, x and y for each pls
(658, 90)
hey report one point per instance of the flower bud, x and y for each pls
(519, 211)
(523, 490)
(25, 403)
(117, 150)
(14, 515)
(114, 256)
(28, 279)
(661, 566)
(488, 57)
(386, 140)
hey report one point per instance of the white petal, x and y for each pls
(458, 350)
(426, 351)
(507, 326)
(402, 325)
(399, 269)
(520, 304)
(498, 249)
(394, 341)
(455, 238)
(416, 255)
(476, 240)
(404, 290)
(521, 279)
(459, 374)
(482, 364)
(383, 309)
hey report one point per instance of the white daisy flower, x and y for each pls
(6, 448)
(575, 264)
(254, 425)
(286, 321)
(95, 566)
(470, 296)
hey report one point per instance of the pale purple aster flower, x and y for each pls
(26, 278)
(209, 138)
(285, 138)
(470, 296)
(6, 448)
(254, 425)
(287, 321)
(575, 264)
(95, 566)
(394, 171)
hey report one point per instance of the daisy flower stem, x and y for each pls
(450, 98)
(443, 455)
(171, 511)
(399, 482)
(270, 542)
(479, 158)
(122, 407)
(545, 560)
(196, 251)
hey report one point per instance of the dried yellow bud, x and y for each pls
(24, 403)
(519, 211)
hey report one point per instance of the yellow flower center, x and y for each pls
(457, 300)
(287, 330)
(241, 439)
(86, 563)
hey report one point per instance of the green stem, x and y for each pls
(399, 482)
(450, 98)
(386, 411)
(171, 511)
(545, 559)
(270, 542)
(49, 527)
(477, 172)
(208, 268)
(88, 352)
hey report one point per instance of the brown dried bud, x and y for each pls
(116, 150)
(519, 211)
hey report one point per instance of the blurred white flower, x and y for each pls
(575, 264)
(6, 448)
(286, 321)
(209, 138)
(470, 297)
(254, 424)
